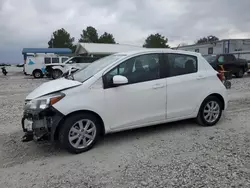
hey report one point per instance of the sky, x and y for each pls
(30, 23)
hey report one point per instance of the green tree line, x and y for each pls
(62, 39)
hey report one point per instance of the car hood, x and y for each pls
(51, 87)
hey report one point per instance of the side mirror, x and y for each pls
(70, 62)
(119, 80)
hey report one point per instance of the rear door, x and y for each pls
(184, 85)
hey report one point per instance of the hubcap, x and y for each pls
(37, 74)
(211, 111)
(57, 74)
(82, 133)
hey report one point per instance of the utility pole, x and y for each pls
(52, 41)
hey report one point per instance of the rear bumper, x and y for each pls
(225, 100)
(43, 123)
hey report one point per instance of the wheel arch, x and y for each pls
(219, 96)
(57, 130)
(36, 70)
(57, 67)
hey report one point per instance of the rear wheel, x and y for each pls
(239, 74)
(37, 74)
(80, 132)
(56, 73)
(227, 84)
(210, 111)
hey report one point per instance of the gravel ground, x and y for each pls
(179, 154)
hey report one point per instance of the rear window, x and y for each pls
(210, 59)
(181, 64)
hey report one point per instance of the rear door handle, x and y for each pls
(200, 77)
(158, 86)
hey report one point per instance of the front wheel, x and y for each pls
(79, 133)
(56, 73)
(210, 111)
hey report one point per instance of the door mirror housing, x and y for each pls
(119, 80)
(70, 62)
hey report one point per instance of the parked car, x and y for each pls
(237, 67)
(124, 91)
(78, 62)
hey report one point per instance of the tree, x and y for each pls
(207, 39)
(89, 35)
(61, 39)
(156, 41)
(106, 38)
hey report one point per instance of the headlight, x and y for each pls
(45, 102)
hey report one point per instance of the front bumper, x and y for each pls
(43, 123)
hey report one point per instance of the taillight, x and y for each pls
(220, 76)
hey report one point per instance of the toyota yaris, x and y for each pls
(124, 91)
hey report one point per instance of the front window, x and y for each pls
(72, 60)
(141, 68)
(96, 66)
(64, 59)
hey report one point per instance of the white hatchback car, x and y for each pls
(124, 91)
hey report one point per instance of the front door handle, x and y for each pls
(158, 86)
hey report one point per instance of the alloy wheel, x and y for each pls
(82, 134)
(211, 111)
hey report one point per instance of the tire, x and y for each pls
(240, 73)
(37, 74)
(202, 117)
(57, 73)
(227, 84)
(67, 132)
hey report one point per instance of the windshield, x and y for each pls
(210, 59)
(95, 67)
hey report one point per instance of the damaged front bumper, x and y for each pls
(41, 124)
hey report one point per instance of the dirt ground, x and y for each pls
(180, 154)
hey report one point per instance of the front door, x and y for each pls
(143, 100)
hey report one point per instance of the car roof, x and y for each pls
(158, 50)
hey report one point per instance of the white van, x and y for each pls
(124, 91)
(36, 63)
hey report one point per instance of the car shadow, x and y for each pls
(16, 152)
(135, 134)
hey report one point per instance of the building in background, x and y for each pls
(219, 47)
(102, 49)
